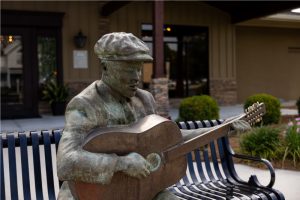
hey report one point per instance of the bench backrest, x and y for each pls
(31, 157)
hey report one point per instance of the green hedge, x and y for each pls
(262, 142)
(272, 104)
(198, 108)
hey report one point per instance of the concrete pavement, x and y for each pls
(57, 122)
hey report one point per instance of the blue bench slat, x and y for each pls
(208, 168)
(49, 169)
(191, 168)
(181, 194)
(25, 168)
(207, 163)
(215, 160)
(2, 186)
(212, 184)
(196, 193)
(220, 178)
(36, 164)
(57, 136)
(199, 165)
(12, 166)
(201, 172)
(214, 192)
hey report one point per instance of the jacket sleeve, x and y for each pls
(74, 163)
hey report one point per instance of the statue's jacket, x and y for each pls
(96, 106)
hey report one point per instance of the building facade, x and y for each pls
(205, 52)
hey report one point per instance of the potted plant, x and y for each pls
(57, 95)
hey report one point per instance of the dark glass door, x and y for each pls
(17, 74)
(186, 58)
(195, 62)
(31, 52)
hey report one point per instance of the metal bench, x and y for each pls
(210, 174)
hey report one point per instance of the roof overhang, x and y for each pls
(238, 10)
(245, 10)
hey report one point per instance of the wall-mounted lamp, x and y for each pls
(79, 40)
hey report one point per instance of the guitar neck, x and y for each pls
(200, 140)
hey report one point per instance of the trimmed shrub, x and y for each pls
(198, 108)
(262, 142)
(272, 104)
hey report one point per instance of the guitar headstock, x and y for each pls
(254, 113)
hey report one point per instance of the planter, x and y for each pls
(58, 108)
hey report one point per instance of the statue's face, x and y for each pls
(124, 77)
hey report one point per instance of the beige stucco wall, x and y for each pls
(265, 63)
(221, 33)
(78, 15)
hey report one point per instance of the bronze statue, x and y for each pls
(113, 101)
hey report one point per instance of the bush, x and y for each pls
(262, 142)
(272, 104)
(292, 144)
(198, 108)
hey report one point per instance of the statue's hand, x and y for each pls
(239, 125)
(134, 165)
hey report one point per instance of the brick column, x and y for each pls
(159, 89)
(224, 91)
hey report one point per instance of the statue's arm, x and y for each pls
(239, 125)
(189, 134)
(74, 163)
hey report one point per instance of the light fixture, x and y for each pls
(80, 40)
(10, 39)
(296, 10)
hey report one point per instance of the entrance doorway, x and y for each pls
(30, 54)
(185, 58)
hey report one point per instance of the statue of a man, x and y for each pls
(114, 100)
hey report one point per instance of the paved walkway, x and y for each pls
(286, 181)
(57, 122)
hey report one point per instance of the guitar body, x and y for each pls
(152, 134)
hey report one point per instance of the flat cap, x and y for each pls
(120, 46)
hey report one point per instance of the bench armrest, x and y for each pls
(253, 178)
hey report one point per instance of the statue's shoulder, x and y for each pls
(85, 97)
(144, 93)
(147, 99)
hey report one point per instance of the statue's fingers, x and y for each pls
(147, 165)
(241, 125)
(145, 173)
(246, 126)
